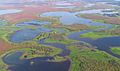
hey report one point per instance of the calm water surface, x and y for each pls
(26, 34)
(39, 64)
(9, 11)
(66, 18)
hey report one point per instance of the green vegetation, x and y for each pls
(3, 66)
(3, 22)
(6, 30)
(83, 58)
(89, 59)
(116, 50)
(40, 51)
(32, 52)
(65, 41)
(96, 27)
(95, 35)
(98, 55)
(54, 37)
(41, 36)
(102, 21)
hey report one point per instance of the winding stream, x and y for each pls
(103, 44)
(65, 18)
(65, 51)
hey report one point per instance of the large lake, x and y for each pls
(68, 18)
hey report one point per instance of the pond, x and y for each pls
(66, 18)
(26, 34)
(32, 23)
(13, 58)
(39, 64)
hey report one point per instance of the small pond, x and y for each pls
(26, 34)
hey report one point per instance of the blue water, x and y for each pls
(65, 50)
(106, 43)
(117, 0)
(9, 11)
(13, 58)
(41, 66)
(103, 44)
(40, 63)
(68, 18)
(26, 34)
(34, 22)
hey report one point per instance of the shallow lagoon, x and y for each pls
(26, 34)
(34, 22)
(41, 66)
(40, 63)
(12, 58)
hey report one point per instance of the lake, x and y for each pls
(32, 23)
(26, 34)
(68, 18)
(40, 63)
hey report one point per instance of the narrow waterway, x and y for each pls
(40, 64)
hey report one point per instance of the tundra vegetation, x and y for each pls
(83, 56)
(115, 50)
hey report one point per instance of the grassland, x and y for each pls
(65, 41)
(3, 66)
(116, 50)
(83, 58)
(95, 35)
(58, 38)
(115, 31)
(31, 51)
(36, 51)
(100, 18)
(89, 59)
